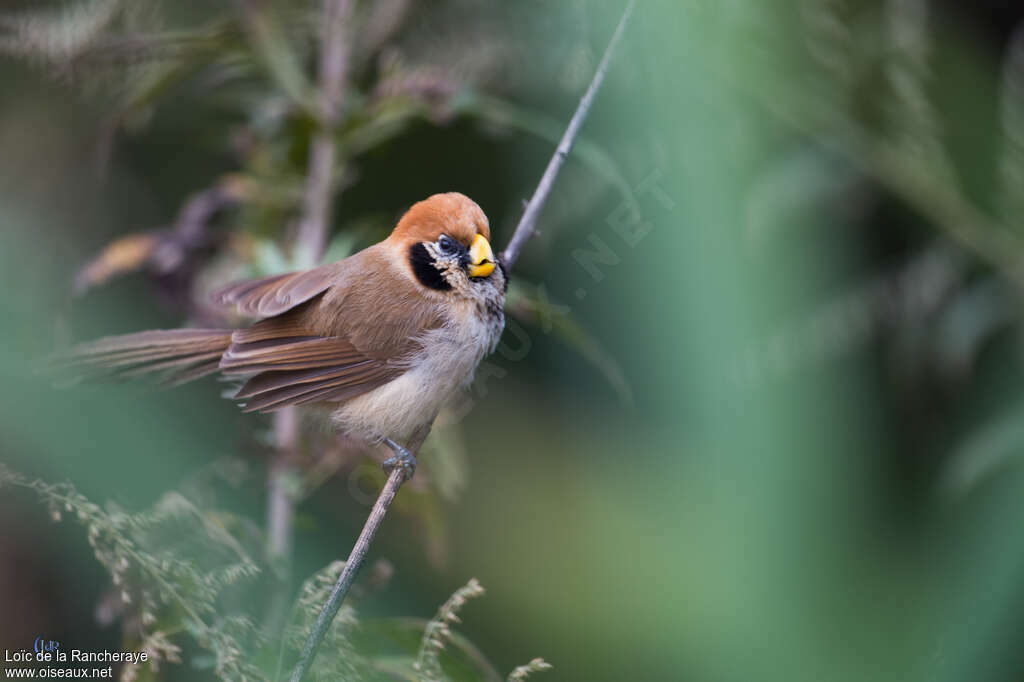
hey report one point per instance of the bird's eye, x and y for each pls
(446, 243)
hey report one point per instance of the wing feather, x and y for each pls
(276, 294)
(275, 380)
(329, 334)
(289, 366)
(288, 353)
(334, 390)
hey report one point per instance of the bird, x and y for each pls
(383, 338)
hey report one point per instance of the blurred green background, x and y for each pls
(757, 411)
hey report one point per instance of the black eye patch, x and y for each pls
(425, 270)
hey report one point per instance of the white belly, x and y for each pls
(446, 364)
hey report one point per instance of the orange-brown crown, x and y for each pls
(453, 214)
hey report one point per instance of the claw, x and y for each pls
(402, 458)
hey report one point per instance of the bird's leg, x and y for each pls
(402, 458)
(405, 457)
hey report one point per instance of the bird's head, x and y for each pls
(445, 239)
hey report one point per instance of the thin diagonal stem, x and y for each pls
(348, 574)
(528, 223)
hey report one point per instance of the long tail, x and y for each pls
(172, 355)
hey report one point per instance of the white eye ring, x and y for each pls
(446, 244)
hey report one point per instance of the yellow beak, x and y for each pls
(481, 258)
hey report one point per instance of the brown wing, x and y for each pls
(276, 294)
(289, 365)
(354, 330)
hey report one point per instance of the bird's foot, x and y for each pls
(402, 459)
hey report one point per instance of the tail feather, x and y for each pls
(173, 355)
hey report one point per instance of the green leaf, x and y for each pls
(1010, 201)
(276, 53)
(387, 120)
(57, 34)
(183, 53)
(993, 447)
(529, 303)
(270, 259)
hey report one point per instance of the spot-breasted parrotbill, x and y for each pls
(384, 337)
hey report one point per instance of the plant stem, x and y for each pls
(528, 223)
(311, 241)
(523, 232)
(312, 235)
(280, 514)
(348, 574)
